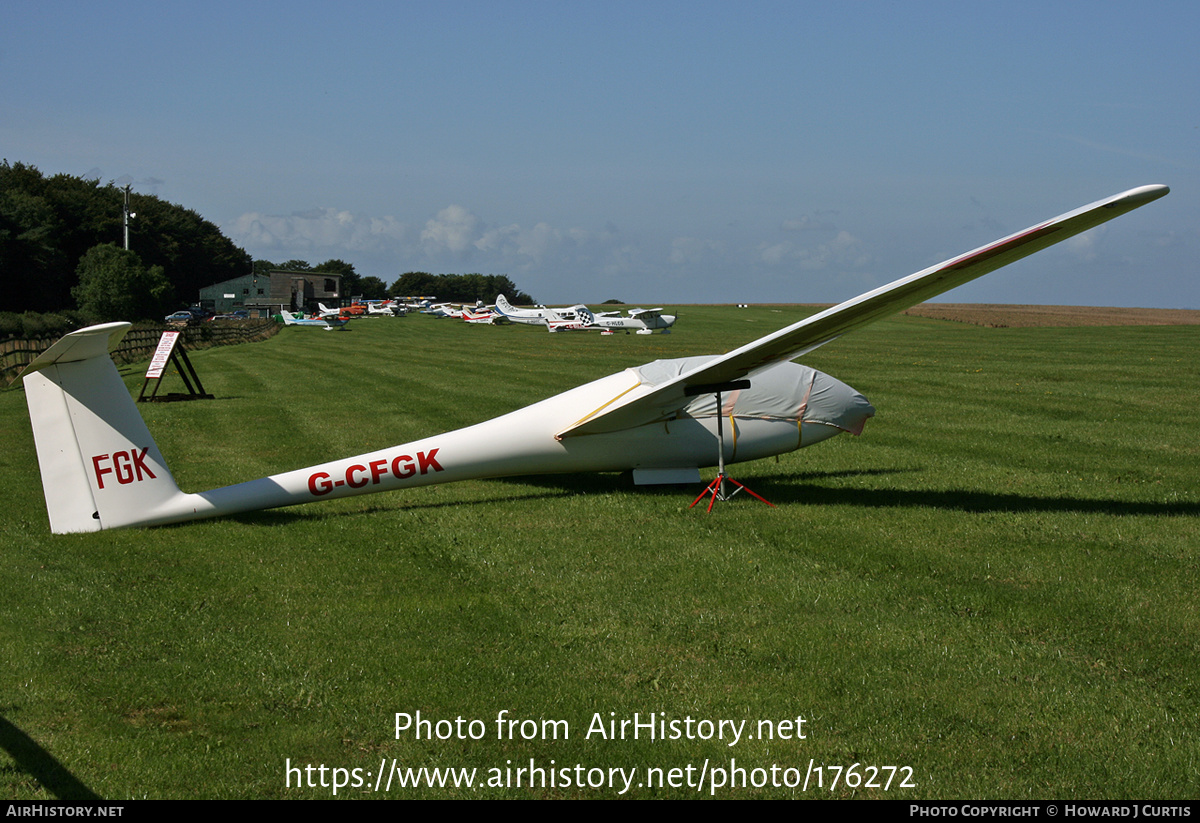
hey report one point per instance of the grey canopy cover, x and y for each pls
(789, 391)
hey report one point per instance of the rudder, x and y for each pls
(100, 467)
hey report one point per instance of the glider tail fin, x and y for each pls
(100, 467)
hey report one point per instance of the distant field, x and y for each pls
(1003, 315)
(1006, 316)
(994, 587)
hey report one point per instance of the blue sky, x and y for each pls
(654, 152)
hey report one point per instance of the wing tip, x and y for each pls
(1143, 194)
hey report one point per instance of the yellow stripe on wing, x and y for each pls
(596, 411)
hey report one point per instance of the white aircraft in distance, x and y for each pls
(482, 315)
(443, 310)
(101, 469)
(576, 318)
(414, 303)
(643, 321)
(580, 317)
(385, 308)
(327, 323)
(532, 317)
(325, 311)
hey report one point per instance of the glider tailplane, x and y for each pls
(100, 467)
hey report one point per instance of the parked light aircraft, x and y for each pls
(580, 318)
(481, 314)
(101, 469)
(643, 321)
(328, 323)
(583, 320)
(443, 310)
(532, 317)
(413, 303)
(385, 308)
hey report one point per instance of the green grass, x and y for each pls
(995, 585)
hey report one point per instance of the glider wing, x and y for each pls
(651, 403)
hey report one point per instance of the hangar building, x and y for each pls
(290, 290)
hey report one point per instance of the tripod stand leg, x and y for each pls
(711, 488)
(749, 491)
(714, 489)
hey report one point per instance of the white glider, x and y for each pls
(101, 469)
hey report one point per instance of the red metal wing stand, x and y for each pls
(717, 488)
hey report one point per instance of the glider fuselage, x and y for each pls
(524, 442)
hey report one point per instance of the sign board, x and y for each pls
(162, 354)
(169, 352)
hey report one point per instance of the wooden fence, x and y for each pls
(139, 343)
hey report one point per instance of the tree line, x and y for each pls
(456, 288)
(49, 225)
(459, 288)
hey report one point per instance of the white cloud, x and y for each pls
(454, 230)
(693, 251)
(455, 239)
(335, 232)
(843, 251)
(552, 261)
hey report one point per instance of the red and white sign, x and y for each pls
(158, 363)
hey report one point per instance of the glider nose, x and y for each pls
(858, 412)
(832, 402)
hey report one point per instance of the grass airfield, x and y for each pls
(995, 586)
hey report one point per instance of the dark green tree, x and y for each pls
(48, 224)
(29, 253)
(372, 288)
(465, 288)
(413, 284)
(114, 285)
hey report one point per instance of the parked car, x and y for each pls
(180, 317)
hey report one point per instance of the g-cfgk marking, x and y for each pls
(358, 475)
(126, 467)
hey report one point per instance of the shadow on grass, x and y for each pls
(808, 488)
(41, 765)
(284, 516)
(969, 501)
